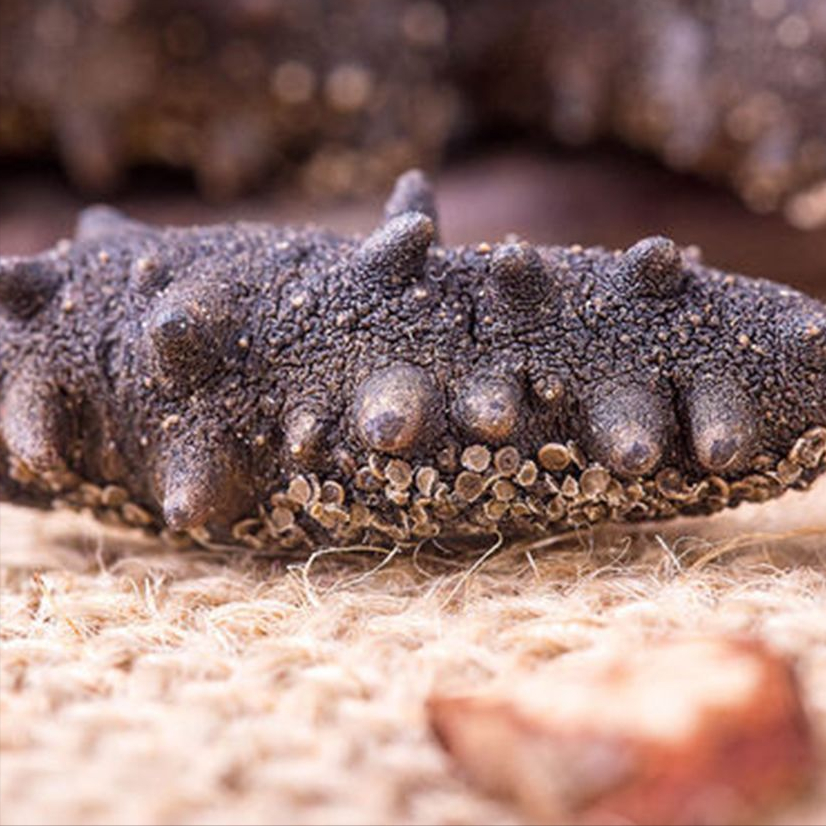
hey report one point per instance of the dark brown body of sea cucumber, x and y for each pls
(282, 386)
(350, 93)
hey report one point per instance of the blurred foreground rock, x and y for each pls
(706, 730)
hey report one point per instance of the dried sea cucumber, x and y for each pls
(348, 94)
(282, 386)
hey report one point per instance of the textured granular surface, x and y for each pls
(141, 685)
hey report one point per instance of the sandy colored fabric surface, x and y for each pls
(142, 685)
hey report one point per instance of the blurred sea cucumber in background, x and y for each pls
(344, 99)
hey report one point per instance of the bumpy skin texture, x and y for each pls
(352, 93)
(279, 387)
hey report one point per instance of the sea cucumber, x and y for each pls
(277, 387)
(348, 96)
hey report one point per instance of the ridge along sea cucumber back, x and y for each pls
(283, 386)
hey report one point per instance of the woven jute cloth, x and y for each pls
(140, 684)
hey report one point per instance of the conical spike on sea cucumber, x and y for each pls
(184, 343)
(413, 192)
(722, 427)
(520, 276)
(395, 254)
(489, 408)
(34, 423)
(201, 485)
(102, 221)
(396, 409)
(651, 267)
(628, 426)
